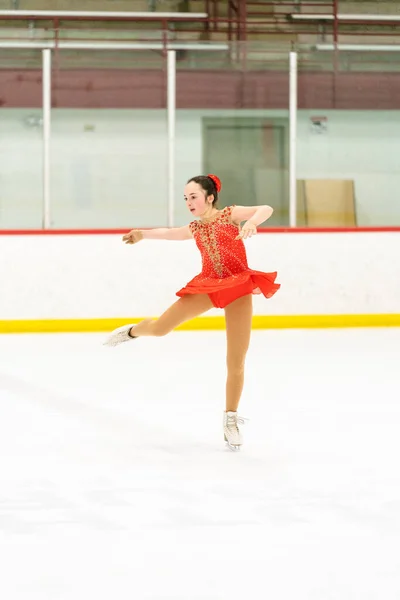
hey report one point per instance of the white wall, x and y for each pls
(97, 276)
(109, 167)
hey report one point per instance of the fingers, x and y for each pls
(132, 237)
(246, 233)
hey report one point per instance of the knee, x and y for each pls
(235, 364)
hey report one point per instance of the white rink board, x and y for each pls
(97, 276)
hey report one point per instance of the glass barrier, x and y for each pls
(347, 138)
(109, 140)
(21, 147)
(230, 122)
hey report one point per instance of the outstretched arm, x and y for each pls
(163, 233)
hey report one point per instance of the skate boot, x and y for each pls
(232, 435)
(119, 336)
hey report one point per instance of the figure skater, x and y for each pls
(224, 282)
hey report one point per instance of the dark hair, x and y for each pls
(208, 185)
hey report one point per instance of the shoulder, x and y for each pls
(226, 213)
(193, 226)
(228, 209)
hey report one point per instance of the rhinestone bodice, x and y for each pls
(222, 255)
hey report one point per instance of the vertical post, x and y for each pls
(335, 46)
(230, 16)
(335, 23)
(293, 138)
(243, 19)
(46, 66)
(208, 10)
(171, 116)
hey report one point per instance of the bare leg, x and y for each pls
(182, 310)
(238, 316)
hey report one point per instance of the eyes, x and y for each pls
(192, 197)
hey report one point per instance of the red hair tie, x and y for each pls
(217, 182)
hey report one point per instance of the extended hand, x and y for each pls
(133, 237)
(247, 231)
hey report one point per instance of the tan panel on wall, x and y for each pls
(301, 217)
(326, 203)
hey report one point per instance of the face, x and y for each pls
(196, 199)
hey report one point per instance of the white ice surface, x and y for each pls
(115, 483)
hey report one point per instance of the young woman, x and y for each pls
(224, 282)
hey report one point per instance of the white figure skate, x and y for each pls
(232, 434)
(119, 336)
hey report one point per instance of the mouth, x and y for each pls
(192, 210)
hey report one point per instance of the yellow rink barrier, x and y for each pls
(202, 323)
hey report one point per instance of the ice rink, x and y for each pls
(115, 482)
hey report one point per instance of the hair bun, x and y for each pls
(217, 182)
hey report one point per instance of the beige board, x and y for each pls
(326, 203)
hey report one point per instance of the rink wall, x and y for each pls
(73, 281)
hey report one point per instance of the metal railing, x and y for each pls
(246, 18)
(232, 20)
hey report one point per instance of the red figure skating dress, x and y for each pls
(225, 275)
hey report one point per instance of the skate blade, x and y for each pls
(232, 448)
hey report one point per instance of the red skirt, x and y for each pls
(224, 291)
